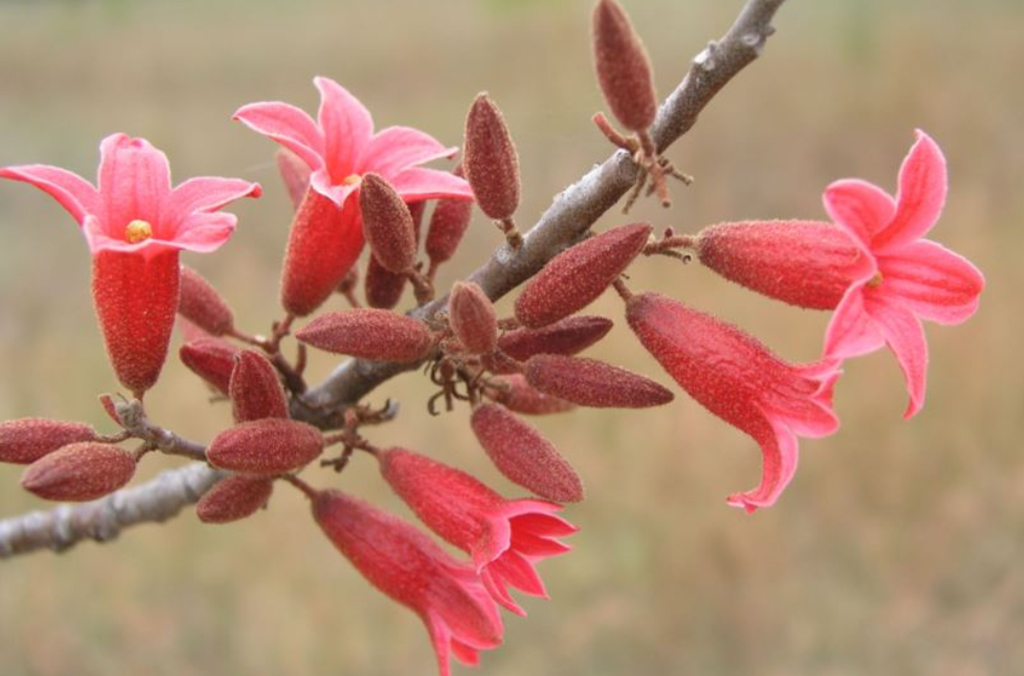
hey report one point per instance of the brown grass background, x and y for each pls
(898, 547)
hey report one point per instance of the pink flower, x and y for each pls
(913, 278)
(135, 224)
(405, 564)
(505, 538)
(738, 379)
(339, 148)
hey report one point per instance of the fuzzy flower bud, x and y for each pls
(202, 305)
(294, 173)
(568, 336)
(589, 382)
(79, 472)
(448, 223)
(25, 440)
(515, 394)
(491, 162)
(212, 359)
(383, 287)
(234, 498)
(472, 318)
(266, 447)
(387, 224)
(623, 69)
(255, 389)
(379, 335)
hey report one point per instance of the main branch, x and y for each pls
(571, 215)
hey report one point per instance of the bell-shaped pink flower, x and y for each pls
(505, 538)
(408, 566)
(135, 224)
(340, 147)
(913, 278)
(737, 378)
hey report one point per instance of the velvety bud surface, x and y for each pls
(623, 69)
(518, 396)
(568, 336)
(387, 224)
(25, 440)
(266, 447)
(472, 318)
(255, 389)
(383, 287)
(524, 456)
(589, 382)
(234, 498)
(491, 162)
(576, 277)
(212, 359)
(448, 224)
(202, 305)
(369, 334)
(79, 472)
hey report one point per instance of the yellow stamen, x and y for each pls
(352, 179)
(875, 281)
(137, 231)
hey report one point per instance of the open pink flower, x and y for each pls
(135, 224)
(340, 147)
(913, 278)
(504, 537)
(409, 567)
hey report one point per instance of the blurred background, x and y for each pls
(896, 549)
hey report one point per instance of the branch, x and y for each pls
(573, 213)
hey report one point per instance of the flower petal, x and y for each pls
(134, 182)
(921, 196)
(206, 194)
(780, 452)
(395, 149)
(933, 282)
(851, 332)
(905, 337)
(425, 184)
(73, 192)
(290, 126)
(347, 126)
(858, 206)
(320, 181)
(203, 232)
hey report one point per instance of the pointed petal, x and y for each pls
(395, 149)
(441, 638)
(851, 332)
(425, 184)
(73, 192)
(134, 182)
(347, 127)
(203, 233)
(466, 654)
(780, 451)
(292, 127)
(860, 207)
(905, 336)
(295, 174)
(921, 197)
(206, 194)
(516, 570)
(499, 593)
(535, 546)
(321, 181)
(933, 282)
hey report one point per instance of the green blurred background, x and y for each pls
(897, 548)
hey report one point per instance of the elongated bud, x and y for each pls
(212, 359)
(379, 335)
(388, 225)
(202, 305)
(295, 174)
(589, 382)
(448, 224)
(576, 277)
(804, 263)
(266, 447)
(568, 336)
(491, 162)
(383, 287)
(416, 210)
(520, 397)
(234, 498)
(136, 298)
(25, 440)
(524, 456)
(623, 69)
(255, 389)
(324, 243)
(79, 472)
(472, 318)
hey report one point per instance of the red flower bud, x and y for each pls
(472, 318)
(266, 447)
(212, 359)
(79, 472)
(295, 174)
(576, 277)
(520, 397)
(491, 162)
(202, 305)
(379, 335)
(623, 69)
(255, 389)
(416, 210)
(324, 242)
(25, 440)
(524, 456)
(388, 225)
(234, 498)
(447, 225)
(804, 263)
(568, 336)
(589, 382)
(383, 287)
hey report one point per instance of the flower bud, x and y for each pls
(518, 396)
(234, 498)
(491, 162)
(589, 382)
(255, 389)
(576, 277)
(383, 287)
(202, 305)
(266, 447)
(524, 456)
(472, 318)
(379, 335)
(623, 69)
(388, 225)
(295, 174)
(212, 359)
(416, 210)
(25, 440)
(79, 472)
(447, 225)
(568, 336)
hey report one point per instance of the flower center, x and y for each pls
(137, 231)
(351, 179)
(875, 281)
